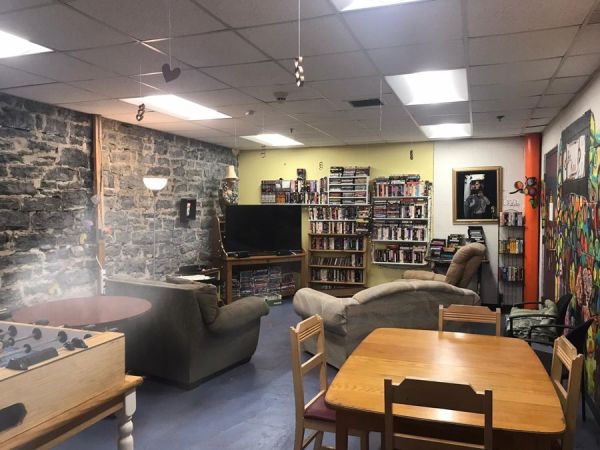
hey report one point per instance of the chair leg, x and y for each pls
(364, 440)
(298, 438)
(319, 441)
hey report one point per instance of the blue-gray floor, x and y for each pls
(249, 407)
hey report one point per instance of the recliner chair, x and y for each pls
(463, 267)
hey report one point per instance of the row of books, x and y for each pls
(512, 219)
(511, 273)
(263, 282)
(336, 243)
(400, 254)
(354, 260)
(292, 191)
(338, 212)
(399, 210)
(349, 171)
(476, 234)
(337, 275)
(396, 232)
(334, 227)
(513, 246)
(401, 186)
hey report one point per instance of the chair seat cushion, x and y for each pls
(319, 410)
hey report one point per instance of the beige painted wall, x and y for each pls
(384, 159)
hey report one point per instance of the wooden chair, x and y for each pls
(565, 356)
(438, 395)
(314, 415)
(467, 313)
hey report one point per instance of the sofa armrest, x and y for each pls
(423, 275)
(236, 315)
(408, 289)
(308, 302)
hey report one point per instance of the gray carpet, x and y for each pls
(249, 407)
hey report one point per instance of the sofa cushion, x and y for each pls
(319, 410)
(406, 287)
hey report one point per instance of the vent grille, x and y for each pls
(595, 17)
(366, 103)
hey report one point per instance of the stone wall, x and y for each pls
(47, 249)
(194, 170)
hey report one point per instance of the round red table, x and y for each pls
(80, 312)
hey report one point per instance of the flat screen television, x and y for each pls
(260, 229)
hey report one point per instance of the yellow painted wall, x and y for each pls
(384, 160)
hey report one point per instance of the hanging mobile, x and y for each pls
(298, 68)
(168, 73)
(142, 106)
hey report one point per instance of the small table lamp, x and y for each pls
(155, 184)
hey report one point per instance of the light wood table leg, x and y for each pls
(125, 422)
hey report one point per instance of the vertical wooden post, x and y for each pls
(531, 278)
(98, 193)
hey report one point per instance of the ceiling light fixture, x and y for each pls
(349, 5)
(273, 140)
(175, 106)
(11, 45)
(423, 88)
(447, 130)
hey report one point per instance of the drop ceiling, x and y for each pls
(525, 60)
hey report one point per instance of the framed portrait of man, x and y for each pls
(476, 194)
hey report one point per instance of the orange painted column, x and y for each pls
(533, 157)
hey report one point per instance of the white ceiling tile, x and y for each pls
(102, 107)
(119, 87)
(557, 100)
(148, 19)
(539, 122)
(247, 112)
(338, 65)
(235, 127)
(189, 81)
(223, 97)
(266, 93)
(318, 36)
(500, 91)
(410, 23)
(486, 17)
(181, 125)
(54, 93)
(214, 49)
(12, 5)
(508, 117)
(521, 46)
(259, 12)
(254, 74)
(57, 66)
(201, 134)
(351, 88)
(568, 85)
(533, 129)
(545, 112)
(10, 77)
(505, 103)
(304, 106)
(424, 113)
(126, 59)
(579, 65)
(150, 117)
(60, 28)
(419, 57)
(587, 40)
(513, 72)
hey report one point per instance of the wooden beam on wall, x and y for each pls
(99, 196)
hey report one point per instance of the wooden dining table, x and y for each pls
(527, 414)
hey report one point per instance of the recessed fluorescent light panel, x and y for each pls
(273, 140)
(424, 88)
(349, 5)
(177, 107)
(11, 45)
(447, 130)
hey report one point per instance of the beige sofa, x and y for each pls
(398, 304)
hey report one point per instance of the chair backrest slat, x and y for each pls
(438, 395)
(468, 313)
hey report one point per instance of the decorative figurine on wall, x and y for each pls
(229, 192)
(529, 188)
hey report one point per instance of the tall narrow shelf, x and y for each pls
(338, 243)
(511, 257)
(401, 224)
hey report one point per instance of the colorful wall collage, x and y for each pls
(576, 217)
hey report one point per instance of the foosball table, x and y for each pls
(55, 382)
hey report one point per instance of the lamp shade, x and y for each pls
(230, 173)
(155, 183)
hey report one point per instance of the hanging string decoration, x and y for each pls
(298, 68)
(529, 188)
(170, 74)
(140, 112)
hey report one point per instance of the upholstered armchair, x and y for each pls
(463, 267)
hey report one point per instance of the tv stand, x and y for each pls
(227, 263)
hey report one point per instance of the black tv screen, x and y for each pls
(262, 228)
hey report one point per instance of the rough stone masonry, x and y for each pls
(47, 230)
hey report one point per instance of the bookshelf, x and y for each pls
(511, 254)
(401, 224)
(348, 185)
(293, 192)
(338, 247)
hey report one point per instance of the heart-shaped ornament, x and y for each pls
(170, 74)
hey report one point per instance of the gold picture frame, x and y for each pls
(476, 194)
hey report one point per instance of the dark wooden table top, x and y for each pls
(79, 312)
